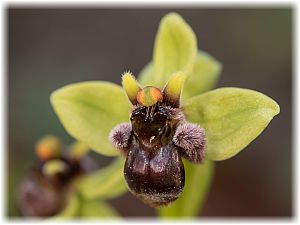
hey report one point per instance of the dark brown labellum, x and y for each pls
(155, 177)
(155, 140)
(153, 170)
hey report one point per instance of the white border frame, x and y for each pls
(161, 4)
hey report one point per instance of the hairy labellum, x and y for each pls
(155, 140)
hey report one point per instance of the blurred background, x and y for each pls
(49, 48)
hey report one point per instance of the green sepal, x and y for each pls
(89, 111)
(231, 117)
(175, 49)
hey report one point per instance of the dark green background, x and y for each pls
(49, 48)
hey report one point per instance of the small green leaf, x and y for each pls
(91, 209)
(71, 210)
(231, 117)
(89, 110)
(175, 48)
(197, 183)
(104, 183)
(204, 76)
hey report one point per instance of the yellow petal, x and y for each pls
(131, 86)
(173, 88)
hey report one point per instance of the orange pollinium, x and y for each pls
(149, 96)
